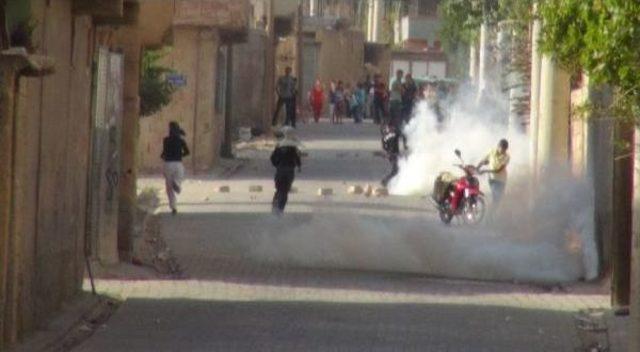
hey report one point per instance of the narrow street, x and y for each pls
(316, 280)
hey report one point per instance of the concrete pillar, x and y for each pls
(473, 63)
(313, 8)
(634, 329)
(130, 43)
(536, 64)
(378, 20)
(483, 64)
(370, 20)
(553, 122)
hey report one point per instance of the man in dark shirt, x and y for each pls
(286, 91)
(391, 145)
(285, 158)
(174, 148)
(409, 92)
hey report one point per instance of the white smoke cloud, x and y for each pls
(474, 131)
(537, 235)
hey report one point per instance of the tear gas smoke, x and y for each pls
(544, 235)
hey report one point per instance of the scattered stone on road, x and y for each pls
(355, 190)
(223, 189)
(324, 192)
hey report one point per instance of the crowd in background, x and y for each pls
(370, 98)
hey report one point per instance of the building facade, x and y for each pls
(46, 123)
(202, 35)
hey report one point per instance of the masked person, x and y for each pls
(285, 158)
(174, 148)
(391, 145)
(498, 160)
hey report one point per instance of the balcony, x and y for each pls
(226, 15)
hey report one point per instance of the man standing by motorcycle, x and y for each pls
(497, 159)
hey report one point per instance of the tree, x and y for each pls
(461, 20)
(155, 90)
(600, 37)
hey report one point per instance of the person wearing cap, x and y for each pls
(285, 158)
(497, 159)
(174, 148)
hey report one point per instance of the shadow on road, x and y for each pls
(308, 326)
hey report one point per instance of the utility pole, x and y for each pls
(634, 330)
(622, 217)
(226, 150)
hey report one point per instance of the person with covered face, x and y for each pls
(391, 145)
(498, 160)
(174, 148)
(285, 158)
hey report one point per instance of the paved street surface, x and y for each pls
(336, 273)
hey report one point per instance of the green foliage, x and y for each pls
(600, 37)
(460, 21)
(155, 91)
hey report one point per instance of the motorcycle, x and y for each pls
(460, 197)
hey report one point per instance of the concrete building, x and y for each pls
(202, 33)
(417, 39)
(252, 94)
(329, 36)
(47, 131)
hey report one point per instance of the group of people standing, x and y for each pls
(345, 100)
(368, 98)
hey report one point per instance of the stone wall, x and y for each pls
(50, 168)
(345, 47)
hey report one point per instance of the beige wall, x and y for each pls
(345, 47)
(155, 20)
(251, 91)
(193, 54)
(50, 170)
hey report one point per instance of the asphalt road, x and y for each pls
(339, 273)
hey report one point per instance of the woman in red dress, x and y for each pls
(316, 100)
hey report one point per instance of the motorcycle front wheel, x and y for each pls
(474, 210)
(445, 213)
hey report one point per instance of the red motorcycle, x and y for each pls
(460, 197)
